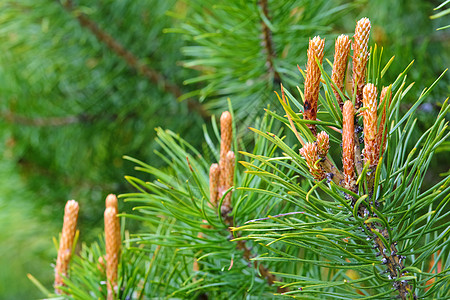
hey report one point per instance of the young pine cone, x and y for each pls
(226, 134)
(66, 243)
(360, 57)
(348, 145)
(112, 250)
(370, 124)
(111, 201)
(214, 171)
(323, 144)
(229, 177)
(312, 81)
(341, 52)
(309, 152)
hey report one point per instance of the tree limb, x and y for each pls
(132, 60)
(268, 42)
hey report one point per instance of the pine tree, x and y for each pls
(293, 224)
(73, 101)
(79, 79)
(83, 83)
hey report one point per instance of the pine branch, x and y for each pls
(390, 257)
(11, 117)
(132, 60)
(35, 169)
(226, 170)
(265, 273)
(268, 43)
(379, 225)
(14, 118)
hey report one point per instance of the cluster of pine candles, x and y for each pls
(363, 146)
(374, 136)
(221, 182)
(355, 161)
(112, 240)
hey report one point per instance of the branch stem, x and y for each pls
(132, 60)
(389, 253)
(268, 42)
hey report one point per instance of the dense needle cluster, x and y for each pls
(366, 104)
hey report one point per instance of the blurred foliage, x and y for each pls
(245, 49)
(71, 105)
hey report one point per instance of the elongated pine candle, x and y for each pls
(348, 144)
(370, 124)
(66, 243)
(312, 81)
(360, 57)
(341, 52)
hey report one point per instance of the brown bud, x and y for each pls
(66, 242)
(348, 144)
(341, 52)
(312, 81)
(214, 183)
(370, 124)
(309, 152)
(360, 57)
(112, 250)
(323, 144)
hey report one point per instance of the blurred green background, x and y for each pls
(83, 83)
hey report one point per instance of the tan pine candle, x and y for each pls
(323, 144)
(360, 57)
(382, 134)
(214, 171)
(229, 177)
(309, 152)
(312, 81)
(112, 250)
(226, 134)
(341, 52)
(370, 124)
(111, 201)
(348, 144)
(66, 243)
